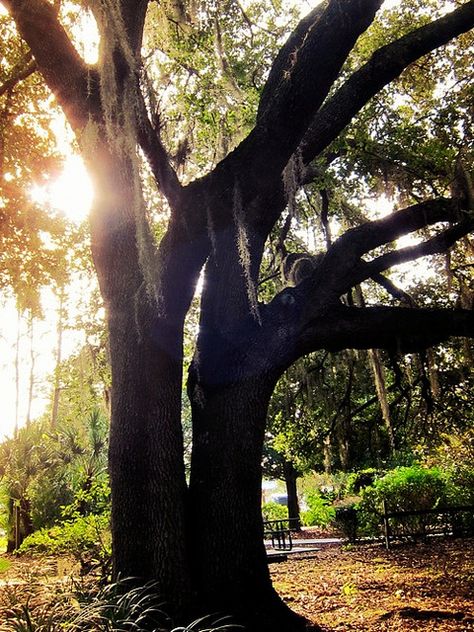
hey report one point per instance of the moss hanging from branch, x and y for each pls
(119, 91)
(292, 176)
(244, 252)
(381, 390)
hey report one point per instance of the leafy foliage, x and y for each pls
(410, 488)
(86, 539)
(33, 239)
(50, 473)
(274, 511)
(320, 512)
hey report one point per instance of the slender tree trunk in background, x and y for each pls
(327, 454)
(11, 524)
(378, 372)
(343, 445)
(58, 359)
(17, 374)
(291, 477)
(32, 369)
(26, 523)
(432, 373)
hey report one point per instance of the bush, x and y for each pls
(86, 539)
(346, 520)
(320, 512)
(403, 489)
(274, 511)
(357, 481)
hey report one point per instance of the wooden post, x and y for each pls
(386, 526)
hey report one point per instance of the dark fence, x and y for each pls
(279, 532)
(419, 524)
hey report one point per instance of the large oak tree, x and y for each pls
(202, 542)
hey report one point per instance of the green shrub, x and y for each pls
(357, 481)
(320, 512)
(403, 489)
(87, 539)
(346, 519)
(274, 511)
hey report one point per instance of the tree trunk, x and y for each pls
(291, 476)
(31, 384)
(145, 459)
(58, 359)
(229, 559)
(17, 374)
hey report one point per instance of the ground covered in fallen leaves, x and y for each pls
(423, 587)
(364, 587)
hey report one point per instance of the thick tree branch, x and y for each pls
(362, 239)
(392, 328)
(134, 12)
(299, 82)
(286, 58)
(157, 156)
(385, 65)
(436, 245)
(343, 267)
(58, 61)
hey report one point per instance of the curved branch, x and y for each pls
(342, 267)
(436, 245)
(62, 67)
(157, 156)
(20, 73)
(385, 65)
(392, 328)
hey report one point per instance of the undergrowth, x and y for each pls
(119, 607)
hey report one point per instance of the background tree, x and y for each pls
(219, 224)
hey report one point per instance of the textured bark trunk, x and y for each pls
(229, 559)
(146, 462)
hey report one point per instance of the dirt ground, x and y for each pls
(418, 587)
(410, 588)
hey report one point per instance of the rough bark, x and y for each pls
(228, 556)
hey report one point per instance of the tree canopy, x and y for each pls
(245, 128)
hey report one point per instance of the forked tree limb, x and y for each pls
(385, 65)
(343, 266)
(298, 84)
(438, 244)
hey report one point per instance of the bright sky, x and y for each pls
(44, 347)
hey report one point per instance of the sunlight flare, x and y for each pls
(71, 193)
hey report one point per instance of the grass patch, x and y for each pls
(4, 564)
